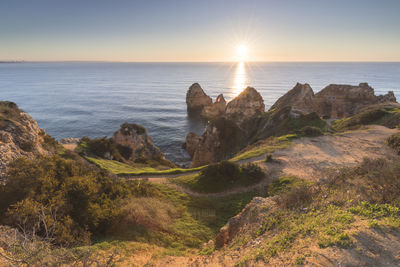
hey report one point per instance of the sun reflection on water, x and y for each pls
(239, 79)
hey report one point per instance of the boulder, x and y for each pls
(216, 109)
(196, 99)
(191, 143)
(134, 141)
(300, 98)
(20, 136)
(246, 105)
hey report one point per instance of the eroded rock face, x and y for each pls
(300, 98)
(134, 140)
(20, 136)
(191, 143)
(334, 101)
(247, 105)
(221, 138)
(196, 99)
(216, 109)
(242, 221)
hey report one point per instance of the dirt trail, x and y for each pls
(308, 158)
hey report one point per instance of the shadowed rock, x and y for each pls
(216, 109)
(136, 142)
(196, 99)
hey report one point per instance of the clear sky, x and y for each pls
(200, 30)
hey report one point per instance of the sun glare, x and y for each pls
(241, 52)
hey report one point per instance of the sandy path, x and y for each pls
(309, 158)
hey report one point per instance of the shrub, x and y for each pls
(394, 142)
(297, 197)
(63, 199)
(310, 131)
(268, 158)
(224, 175)
(147, 212)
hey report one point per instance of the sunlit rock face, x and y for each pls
(137, 142)
(299, 98)
(216, 109)
(196, 99)
(246, 105)
(20, 136)
(338, 101)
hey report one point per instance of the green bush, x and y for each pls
(310, 131)
(63, 199)
(225, 175)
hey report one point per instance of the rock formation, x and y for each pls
(216, 109)
(334, 101)
(248, 104)
(196, 99)
(133, 141)
(221, 138)
(338, 101)
(191, 143)
(299, 98)
(20, 136)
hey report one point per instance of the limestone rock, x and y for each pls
(221, 138)
(137, 142)
(20, 136)
(299, 98)
(248, 104)
(196, 99)
(192, 141)
(216, 109)
(243, 221)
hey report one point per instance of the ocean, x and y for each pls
(76, 99)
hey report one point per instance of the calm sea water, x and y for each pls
(94, 99)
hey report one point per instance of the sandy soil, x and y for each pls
(309, 158)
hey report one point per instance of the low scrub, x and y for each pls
(222, 176)
(382, 114)
(62, 199)
(394, 142)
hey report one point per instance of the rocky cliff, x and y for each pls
(20, 136)
(133, 141)
(229, 130)
(196, 99)
(334, 101)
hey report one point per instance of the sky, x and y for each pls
(206, 30)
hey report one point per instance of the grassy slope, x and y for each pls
(331, 215)
(122, 169)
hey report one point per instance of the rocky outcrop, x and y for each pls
(334, 101)
(244, 219)
(221, 138)
(196, 99)
(133, 141)
(247, 105)
(191, 143)
(216, 109)
(20, 136)
(300, 98)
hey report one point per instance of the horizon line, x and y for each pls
(232, 61)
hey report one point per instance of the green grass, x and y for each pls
(123, 169)
(268, 145)
(199, 220)
(221, 177)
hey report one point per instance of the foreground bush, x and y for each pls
(63, 200)
(225, 175)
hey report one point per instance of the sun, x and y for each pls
(241, 52)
